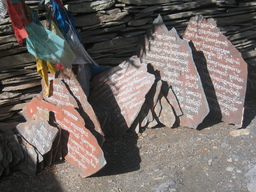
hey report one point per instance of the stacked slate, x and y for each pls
(111, 31)
(19, 81)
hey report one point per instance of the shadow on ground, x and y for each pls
(122, 155)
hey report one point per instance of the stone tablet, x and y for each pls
(80, 147)
(39, 134)
(224, 75)
(35, 106)
(122, 89)
(172, 56)
(85, 109)
(59, 94)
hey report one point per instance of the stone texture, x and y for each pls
(85, 109)
(223, 72)
(80, 147)
(88, 7)
(172, 57)
(123, 89)
(39, 134)
(142, 2)
(100, 17)
(59, 94)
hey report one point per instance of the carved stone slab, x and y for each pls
(122, 90)
(85, 109)
(37, 104)
(224, 75)
(172, 56)
(59, 94)
(80, 147)
(39, 134)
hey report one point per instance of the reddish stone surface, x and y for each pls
(85, 109)
(121, 91)
(59, 94)
(35, 105)
(172, 57)
(39, 134)
(224, 74)
(80, 147)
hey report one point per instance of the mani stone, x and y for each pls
(79, 146)
(39, 134)
(172, 57)
(59, 94)
(222, 69)
(121, 91)
(85, 108)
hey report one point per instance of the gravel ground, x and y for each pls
(218, 157)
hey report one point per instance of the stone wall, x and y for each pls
(111, 32)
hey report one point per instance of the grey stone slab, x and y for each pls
(38, 133)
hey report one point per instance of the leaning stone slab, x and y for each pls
(172, 57)
(121, 90)
(85, 109)
(59, 94)
(80, 147)
(222, 69)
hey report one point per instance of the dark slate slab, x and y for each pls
(29, 163)
(59, 94)
(39, 134)
(121, 91)
(80, 147)
(172, 57)
(222, 68)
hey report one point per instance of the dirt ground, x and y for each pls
(216, 158)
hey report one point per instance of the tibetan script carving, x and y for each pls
(123, 88)
(172, 56)
(223, 74)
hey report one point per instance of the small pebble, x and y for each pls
(230, 169)
(229, 160)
